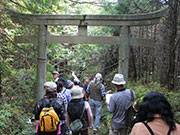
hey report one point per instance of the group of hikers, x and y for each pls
(70, 108)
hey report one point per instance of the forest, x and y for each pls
(149, 69)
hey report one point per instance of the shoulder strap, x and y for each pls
(132, 96)
(148, 127)
(64, 91)
(132, 100)
(169, 132)
(84, 107)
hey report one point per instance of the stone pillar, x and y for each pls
(124, 51)
(82, 30)
(41, 58)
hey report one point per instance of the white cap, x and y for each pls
(118, 79)
(98, 75)
(50, 86)
(55, 72)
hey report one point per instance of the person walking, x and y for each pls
(84, 86)
(75, 110)
(47, 102)
(63, 99)
(96, 92)
(117, 105)
(155, 117)
(67, 91)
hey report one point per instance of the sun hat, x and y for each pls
(118, 79)
(50, 86)
(77, 92)
(98, 75)
(69, 83)
(55, 72)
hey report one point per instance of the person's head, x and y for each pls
(70, 84)
(86, 80)
(156, 103)
(119, 81)
(55, 74)
(77, 92)
(60, 86)
(50, 89)
(98, 78)
(76, 82)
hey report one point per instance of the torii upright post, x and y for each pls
(124, 51)
(42, 58)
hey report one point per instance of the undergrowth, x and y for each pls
(18, 100)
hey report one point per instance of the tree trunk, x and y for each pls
(173, 16)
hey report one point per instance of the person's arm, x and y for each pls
(37, 111)
(65, 102)
(67, 118)
(68, 95)
(75, 77)
(111, 105)
(103, 93)
(64, 99)
(89, 113)
(88, 90)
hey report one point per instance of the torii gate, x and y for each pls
(82, 21)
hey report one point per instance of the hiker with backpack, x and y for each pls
(49, 111)
(117, 105)
(79, 116)
(155, 117)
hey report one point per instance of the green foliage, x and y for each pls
(18, 62)
(142, 90)
(13, 120)
(18, 102)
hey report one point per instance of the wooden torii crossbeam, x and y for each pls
(82, 21)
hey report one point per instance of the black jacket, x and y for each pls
(75, 109)
(56, 103)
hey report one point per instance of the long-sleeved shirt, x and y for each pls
(84, 86)
(62, 97)
(117, 106)
(67, 93)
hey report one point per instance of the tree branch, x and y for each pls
(93, 3)
(16, 3)
(138, 6)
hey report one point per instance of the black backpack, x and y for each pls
(130, 114)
